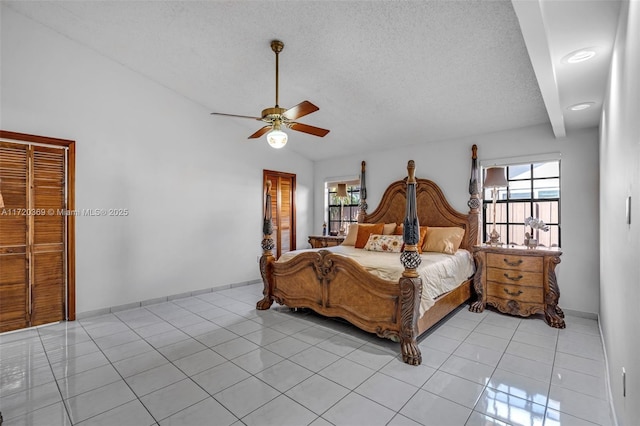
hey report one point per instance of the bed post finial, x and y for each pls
(474, 198)
(267, 259)
(474, 189)
(363, 194)
(411, 171)
(410, 282)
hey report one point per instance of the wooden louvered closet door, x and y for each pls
(47, 239)
(283, 211)
(14, 264)
(32, 235)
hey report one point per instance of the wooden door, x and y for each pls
(283, 188)
(36, 231)
(14, 261)
(48, 276)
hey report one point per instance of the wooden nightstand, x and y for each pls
(320, 241)
(518, 280)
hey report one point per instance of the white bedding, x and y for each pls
(440, 272)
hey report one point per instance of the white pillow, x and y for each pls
(352, 235)
(443, 239)
(389, 229)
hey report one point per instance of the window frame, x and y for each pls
(506, 197)
(352, 207)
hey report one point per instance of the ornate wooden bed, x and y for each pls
(336, 286)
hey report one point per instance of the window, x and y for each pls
(349, 206)
(534, 191)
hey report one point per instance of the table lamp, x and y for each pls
(495, 178)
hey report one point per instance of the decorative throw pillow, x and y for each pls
(423, 237)
(423, 232)
(443, 239)
(388, 243)
(366, 229)
(389, 229)
(352, 235)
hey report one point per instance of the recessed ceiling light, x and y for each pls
(581, 106)
(579, 56)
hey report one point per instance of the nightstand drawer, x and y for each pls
(514, 277)
(520, 263)
(515, 292)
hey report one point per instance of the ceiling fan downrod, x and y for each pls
(277, 46)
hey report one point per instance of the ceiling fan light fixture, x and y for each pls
(276, 137)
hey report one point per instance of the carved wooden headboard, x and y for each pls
(432, 207)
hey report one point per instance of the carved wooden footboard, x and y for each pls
(337, 286)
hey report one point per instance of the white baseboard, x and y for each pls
(118, 308)
(612, 408)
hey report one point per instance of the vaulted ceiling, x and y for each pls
(383, 73)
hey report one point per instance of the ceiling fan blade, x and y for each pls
(300, 110)
(260, 132)
(235, 115)
(305, 128)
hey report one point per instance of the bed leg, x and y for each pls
(478, 287)
(266, 266)
(411, 353)
(411, 291)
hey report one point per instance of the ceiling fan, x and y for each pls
(277, 118)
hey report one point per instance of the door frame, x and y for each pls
(70, 251)
(292, 178)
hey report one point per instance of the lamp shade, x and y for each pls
(342, 190)
(495, 177)
(277, 138)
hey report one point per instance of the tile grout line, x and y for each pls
(117, 371)
(241, 299)
(172, 363)
(485, 385)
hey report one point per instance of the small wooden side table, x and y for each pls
(518, 280)
(321, 241)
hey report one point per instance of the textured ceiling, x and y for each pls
(384, 73)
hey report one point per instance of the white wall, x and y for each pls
(448, 163)
(620, 242)
(180, 172)
(192, 182)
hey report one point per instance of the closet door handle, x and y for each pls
(515, 293)
(519, 262)
(518, 278)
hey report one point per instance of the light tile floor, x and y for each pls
(213, 359)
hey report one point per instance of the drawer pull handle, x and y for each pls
(518, 278)
(513, 263)
(515, 293)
